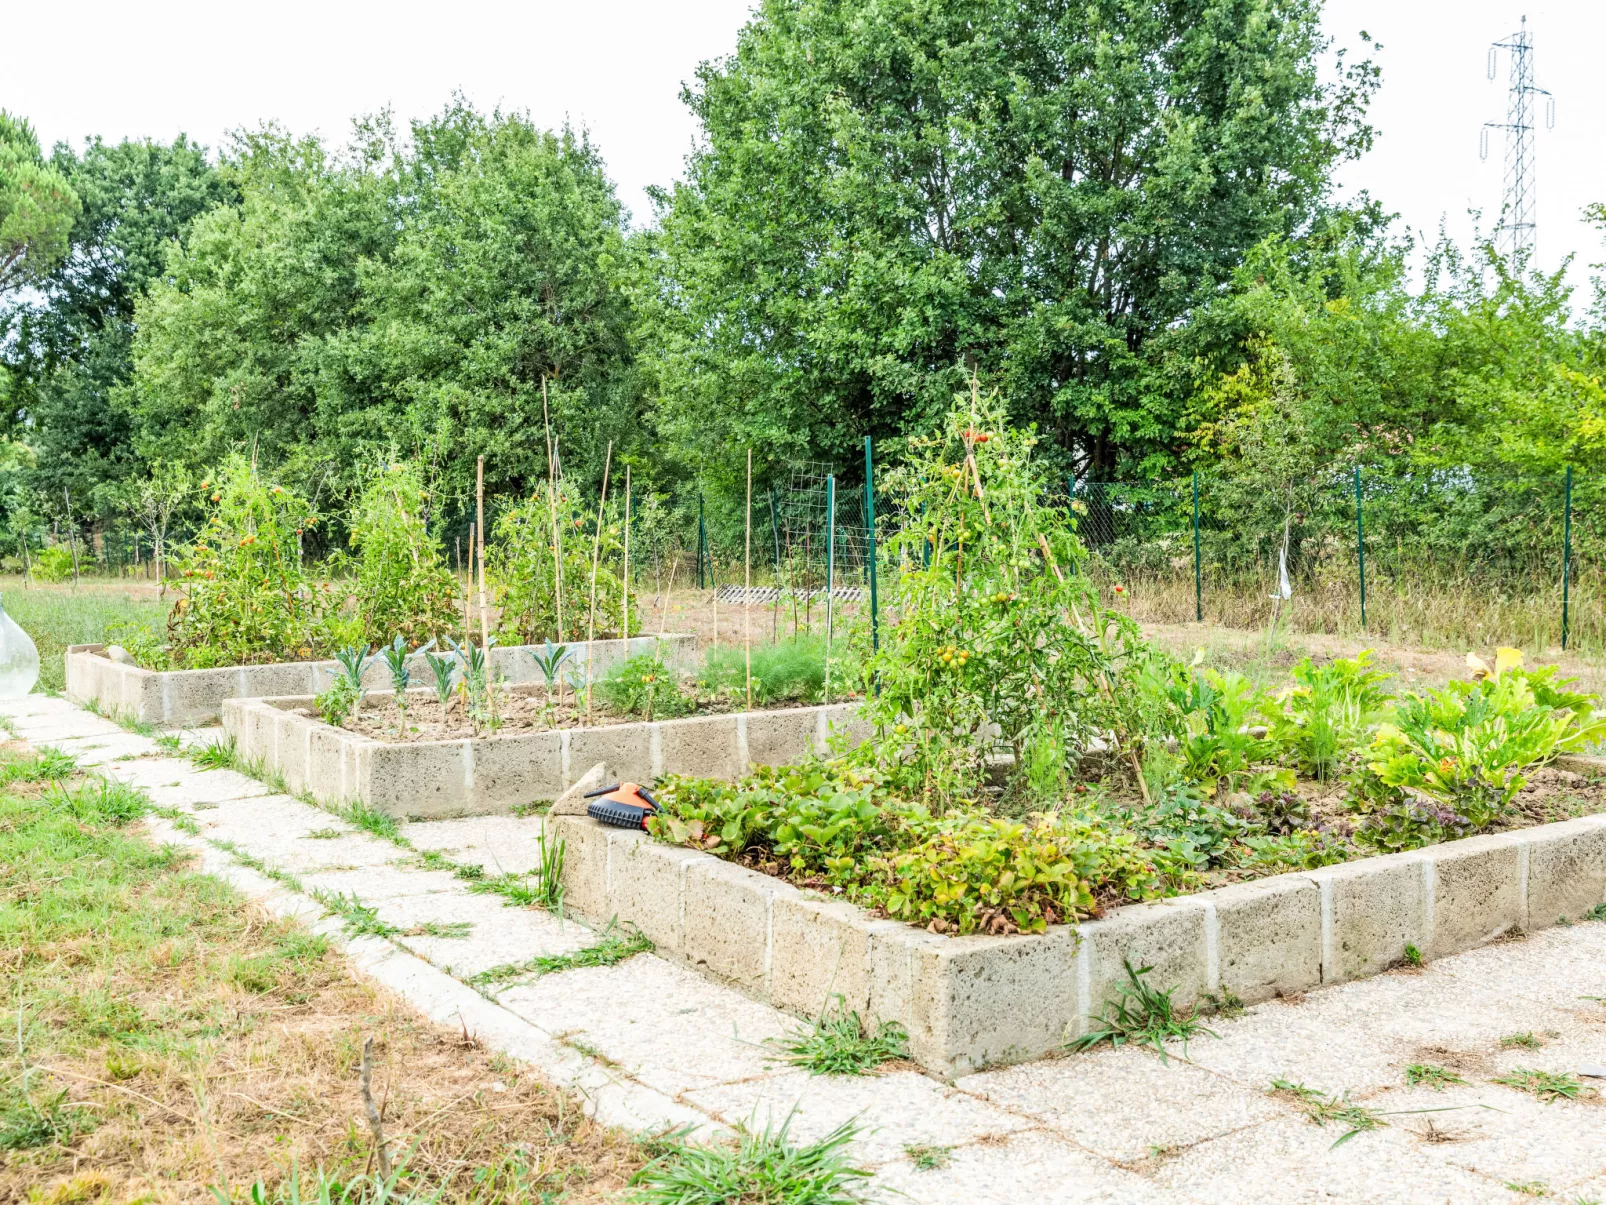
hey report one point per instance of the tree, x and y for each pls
(37, 207)
(886, 187)
(152, 502)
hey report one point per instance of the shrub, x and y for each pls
(243, 597)
(520, 564)
(53, 564)
(143, 645)
(403, 586)
(791, 671)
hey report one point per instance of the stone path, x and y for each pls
(649, 1044)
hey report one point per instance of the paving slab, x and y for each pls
(499, 935)
(500, 844)
(102, 748)
(1145, 1103)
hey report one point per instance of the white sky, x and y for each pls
(616, 66)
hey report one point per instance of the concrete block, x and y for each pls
(292, 737)
(1268, 937)
(727, 921)
(585, 866)
(331, 764)
(645, 884)
(985, 1001)
(1168, 936)
(573, 801)
(840, 726)
(779, 738)
(1370, 910)
(256, 740)
(704, 747)
(893, 960)
(420, 780)
(1476, 892)
(626, 749)
(194, 695)
(513, 770)
(1566, 869)
(819, 950)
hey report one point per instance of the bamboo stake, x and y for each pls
(596, 553)
(552, 503)
(624, 591)
(747, 584)
(479, 518)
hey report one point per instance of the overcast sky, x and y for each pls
(616, 66)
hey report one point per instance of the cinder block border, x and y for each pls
(974, 1002)
(173, 698)
(432, 779)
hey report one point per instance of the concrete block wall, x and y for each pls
(973, 1002)
(195, 696)
(495, 773)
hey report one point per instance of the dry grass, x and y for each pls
(173, 1041)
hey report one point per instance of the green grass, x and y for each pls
(759, 1167)
(1324, 1109)
(56, 617)
(927, 1158)
(838, 1043)
(614, 948)
(1143, 1015)
(1428, 1075)
(1548, 1086)
(1521, 1041)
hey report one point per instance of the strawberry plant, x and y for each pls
(243, 596)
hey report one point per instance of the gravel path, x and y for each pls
(649, 1043)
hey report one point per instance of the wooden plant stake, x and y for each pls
(624, 591)
(552, 504)
(479, 517)
(747, 583)
(596, 553)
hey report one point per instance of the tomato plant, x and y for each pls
(404, 589)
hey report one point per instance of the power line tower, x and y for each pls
(1516, 229)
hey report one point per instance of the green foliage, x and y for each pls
(37, 207)
(987, 581)
(837, 1043)
(1325, 1109)
(1142, 1014)
(1465, 746)
(644, 686)
(1548, 1086)
(403, 587)
(760, 1166)
(791, 670)
(1431, 1076)
(244, 597)
(442, 672)
(519, 562)
(614, 948)
(1089, 210)
(53, 564)
(142, 644)
(550, 660)
(1329, 711)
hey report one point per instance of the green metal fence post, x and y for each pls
(775, 535)
(830, 574)
(1360, 543)
(1566, 552)
(1070, 506)
(702, 541)
(1198, 577)
(869, 525)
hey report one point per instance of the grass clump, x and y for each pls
(1521, 1041)
(760, 1167)
(1143, 1015)
(838, 1043)
(792, 671)
(1548, 1086)
(1428, 1075)
(613, 949)
(1324, 1109)
(927, 1158)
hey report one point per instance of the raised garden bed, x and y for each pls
(495, 773)
(974, 1002)
(195, 696)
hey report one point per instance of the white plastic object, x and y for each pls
(19, 658)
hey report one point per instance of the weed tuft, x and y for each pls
(929, 1158)
(614, 948)
(217, 755)
(1324, 1109)
(1413, 956)
(760, 1166)
(1548, 1086)
(1143, 1015)
(838, 1043)
(1429, 1075)
(1521, 1041)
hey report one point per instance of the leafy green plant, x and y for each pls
(1412, 956)
(401, 677)
(146, 648)
(403, 586)
(479, 690)
(53, 564)
(1224, 728)
(443, 671)
(1328, 711)
(1142, 1014)
(790, 671)
(838, 1043)
(524, 576)
(760, 1166)
(244, 597)
(1407, 824)
(646, 687)
(345, 692)
(1466, 745)
(550, 660)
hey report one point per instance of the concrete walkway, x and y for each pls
(649, 1044)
